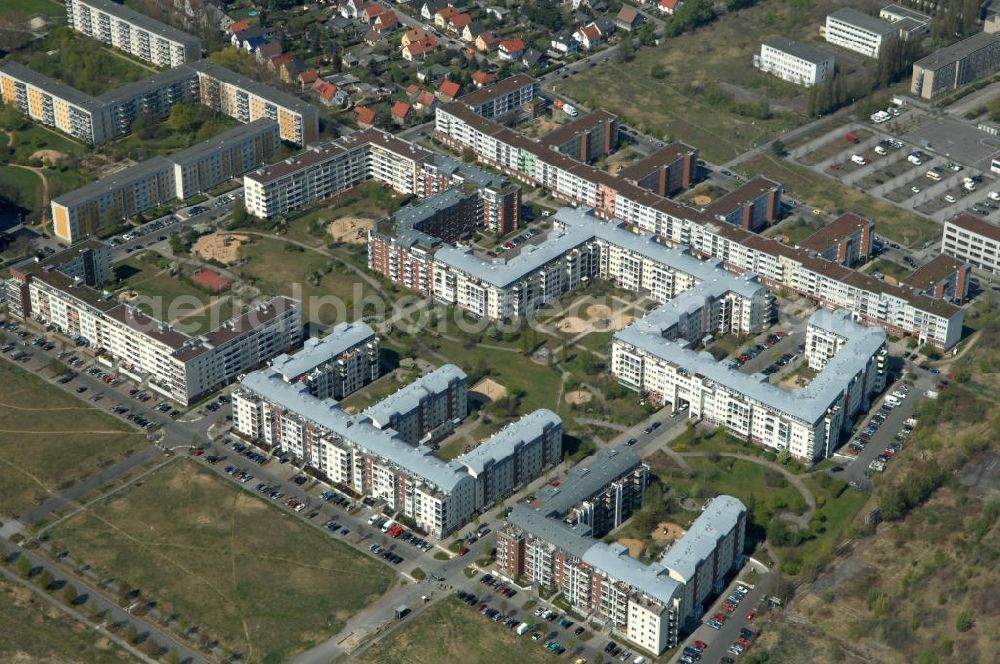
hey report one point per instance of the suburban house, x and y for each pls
(385, 22)
(481, 78)
(365, 116)
(448, 90)
(531, 57)
(329, 94)
(267, 51)
(430, 8)
(400, 112)
(511, 49)
(499, 13)
(628, 19)
(413, 35)
(419, 50)
(563, 43)
(458, 22)
(425, 101)
(668, 7)
(352, 8)
(371, 12)
(444, 15)
(588, 36)
(433, 74)
(238, 26)
(307, 78)
(488, 41)
(472, 30)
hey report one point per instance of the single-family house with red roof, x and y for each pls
(443, 15)
(365, 116)
(307, 78)
(425, 101)
(588, 36)
(481, 78)
(413, 35)
(668, 7)
(400, 111)
(419, 50)
(628, 18)
(238, 25)
(448, 90)
(458, 22)
(386, 22)
(511, 49)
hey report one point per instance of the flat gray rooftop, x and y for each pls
(51, 86)
(142, 21)
(316, 351)
(701, 539)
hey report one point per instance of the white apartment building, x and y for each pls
(342, 362)
(579, 248)
(426, 409)
(440, 496)
(53, 104)
(794, 62)
(649, 357)
(174, 364)
(973, 240)
(134, 33)
(901, 311)
(859, 32)
(647, 604)
(503, 97)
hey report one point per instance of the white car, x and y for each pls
(915, 189)
(950, 199)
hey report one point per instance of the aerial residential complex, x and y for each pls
(132, 32)
(794, 62)
(100, 119)
(380, 452)
(951, 67)
(898, 309)
(551, 543)
(156, 181)
(326, 170)
(340, 363)
(64, 291)
(655, 356)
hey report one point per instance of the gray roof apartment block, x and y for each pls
(699, 542)
(799, 50)
(316, 351)
(864, 21)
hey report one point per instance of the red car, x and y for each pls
(782, 334)
(750, 615)
(743, 642)
(198, 452)
(700, 645)
(728, 607)
(719, 617)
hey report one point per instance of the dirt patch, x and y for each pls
(353, 230)
(701, 200)
(222, 247)
(51, 155)
(573, 325)
(667, 532)
(491, 389)
(634, 546)
(578, 397)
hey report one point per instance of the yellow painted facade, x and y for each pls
(7, 89)
(36, 100)
(62, 226)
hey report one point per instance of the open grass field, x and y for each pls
(277, 267)
(35, 632)
(80, 62)
(795, 230)
(702, 73)
(889, 268)
(173, 299)
(814, 189)
(32, 7)
(451, 631)
(369, 200)
(50, 440)
(34, 137)
(259, 580)
(27, 185)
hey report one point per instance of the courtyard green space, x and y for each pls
(151, 137)
(22, 188)
(80, 62)
(458, 630)
(259, 580)
(825, 193)
(50, 440)
(330, 291)
(889, 268)
(795, 230)
(35, 632)
(10, 8)
(369, 200)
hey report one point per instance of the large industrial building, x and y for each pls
(900, 310)
(551, 542)
(64, 291)
(134, 33)
(370, 454)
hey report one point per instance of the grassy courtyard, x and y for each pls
(50, 440)
(456, 628)
(34, 632)
(812, 188)
(260, 581)
(31, 7)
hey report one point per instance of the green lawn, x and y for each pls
(158, 139)
(690, 99)
(369, 200)
(172, 298)
(795, 230)
(889, 268)
(25, 186)
(50, 440)
(34, 632)
(825, 193)
(276, 266)
(458, 633)
(31, 137)
(32, 7)
(259, 580)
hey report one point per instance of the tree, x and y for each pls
(69, 594)
(239, 214)
(964, 621)
(45, 579)
(183, 117)
(23, 566)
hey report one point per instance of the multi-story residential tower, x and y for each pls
(132, 32)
